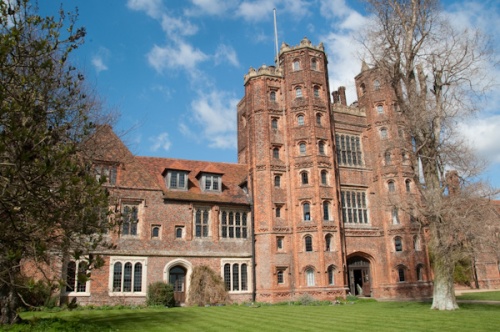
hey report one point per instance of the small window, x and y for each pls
(362, 89)
(300, 120)
(178, 232)
(314, 64)
(278, 211)
(130, 219)
(408, 185)
(302, 148)
(279, 242)
(316, 91)
(106, 174)
(395, 215)
(212, 182)
(416, 243)
(383, 133)
(331, 275)
(296, 65)
(420, 272)
(380, 109)
(306, 210)
(308, 243)
(298, 92)
(321, 148)
(304, 177)
(272, 96)
(177, 180)
(277, 181)
(276, 153)
(310, 277)
(326, 211)
(376, 85)
(324, 177)
(398, 243)
(280, 277)
(401, 274)
(387, 157)
(318, 119)
(391, 186)
(155, 232)
(274, 123)
(328, 242)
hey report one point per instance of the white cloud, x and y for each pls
(255, 11)
(162, 141)
(483, 135)
(176, 26)
(152, 8)
(226, 53)
(214, 112)
(211, 7)
(99, 59)
(179, 56)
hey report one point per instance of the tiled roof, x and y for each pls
(232, 176)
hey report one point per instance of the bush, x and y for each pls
(160, 293)
(38, 294)
(207, 288)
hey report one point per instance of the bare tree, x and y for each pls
(438, 74)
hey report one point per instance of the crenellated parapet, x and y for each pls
(263, 71)
(304, 43)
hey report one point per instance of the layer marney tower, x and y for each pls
(285, 137)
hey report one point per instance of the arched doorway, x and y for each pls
(358, 269)
(177, 278)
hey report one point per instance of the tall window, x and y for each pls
(314, 64)
(348, 150)
(130, 218)
(391, 186)
(326, 211)
(420, 272)
(401, 273)
(328, 242)
(308, 243)
(331, 275)
(306, 210)
(212, 182)
(75, 277)
(234, 224)
(316, 91)
(272, 96)
(398, 243)
(201, 222)
(302, 148)
(178, 232)
(278, 211)
(298, 92)
(300, 120)
(277, 181)
(177, 180)
(296, 65)
(416, 243)
(127, 277)
(304, 177)
(354, 207)
(387, 157)
(276, 153)
(324, 177)
(310, 276)
(279, 242)
(236, 276)
(408, 185)
(321, 147)
(274, 123)
(395, 215)
(318, 119)
(280, 277)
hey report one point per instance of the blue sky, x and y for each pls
(173, 69)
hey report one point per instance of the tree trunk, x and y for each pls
(444, 288)
(9, 303)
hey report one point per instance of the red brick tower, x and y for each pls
(285, 137)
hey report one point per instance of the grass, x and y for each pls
(481, 296)
(367, 316)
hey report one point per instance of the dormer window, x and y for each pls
(177, 180)
(106, 174)
(211, 182)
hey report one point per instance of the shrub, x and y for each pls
(38, 294)
(207, 287)
(160, 293)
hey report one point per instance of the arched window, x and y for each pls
(296, 64)
(401, 273)
(227, 276)
(362, 89)
(277, 181)
(408, 185)
(324, 177)
(387, 157)
(308, 243)
(321, 147)
(117, 277)
(155, 233)
(306, 210)
(331, 275)
(272, 96)
(302, 148)
(314, 64)
(420, 272)
(310, 276)
(298, 92)
(376, 85)
(280, 277)
(278, 211)
(276, 153)
(274, 123)
(416, 243)
(380, 109)
(304, 177)
(300, 120)
(328, 242)
(178, 232)
(316, 91)
(127, 277)
(383, 133)
(395, 215)
(318, 119)
(398, 243)
(391, 186)
(326, 211)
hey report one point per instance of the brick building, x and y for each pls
(306, 210)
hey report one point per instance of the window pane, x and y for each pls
(70, 276)
(236, 277)
(127, 277)
(244, 277)
(308, 243)
(137, 277)
(117, 277)
(227, 276)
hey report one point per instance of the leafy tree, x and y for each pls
(437, 74)
(49, 201)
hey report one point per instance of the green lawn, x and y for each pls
(482, 296)
(361, 316)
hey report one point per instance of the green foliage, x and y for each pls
(38, 293)
(54, 325)
(160, 293)
(463, 273)
(207, 287)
